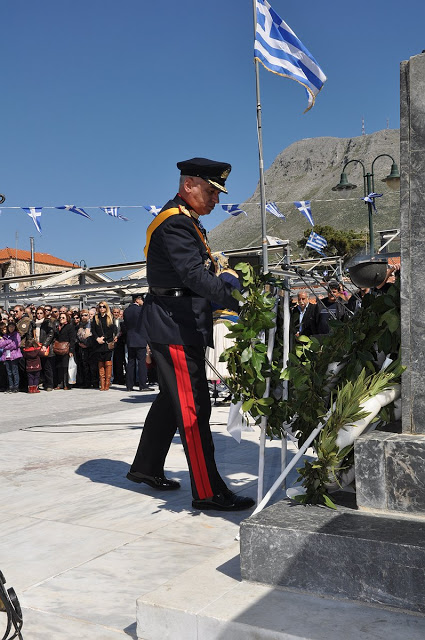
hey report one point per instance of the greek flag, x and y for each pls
(316, 242)
(280, 51)
(371, 198)
(113, 211)
(35, 214)
(74, 209)
(303, 207)
(272, 208)
(152, 209)
(233, 209)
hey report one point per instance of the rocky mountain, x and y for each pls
(307, 170)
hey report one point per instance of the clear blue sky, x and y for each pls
(101, 98)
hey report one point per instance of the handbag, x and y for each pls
(60, 348)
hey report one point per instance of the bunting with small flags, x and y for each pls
(114, 212)
(233, 209)
(272, 208)
(35, 215)
(74, 209)
(151, 208)
(304, 207)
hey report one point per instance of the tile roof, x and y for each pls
(8, 254)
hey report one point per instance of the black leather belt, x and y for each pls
(172, 293)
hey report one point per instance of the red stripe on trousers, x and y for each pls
(190, 422)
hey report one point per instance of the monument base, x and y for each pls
(390, 472)
(345, 554)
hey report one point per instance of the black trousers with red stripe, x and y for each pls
(183, 403)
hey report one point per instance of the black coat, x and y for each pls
(133, 326)
(47, 333)
(178, 258)
(100, 329)
(309, 322)
(66, 334)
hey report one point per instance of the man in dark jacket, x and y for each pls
(136, 344)
(304, 317)
(177, 319)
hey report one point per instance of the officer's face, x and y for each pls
(200, 195)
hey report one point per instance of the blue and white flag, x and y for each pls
(273, 209)
(316, 242)
(233, 209)
(303, 207)
(151, 208)
(114, 212)
(371, 198)
(280, 51)
(74, 209)
(35, 214)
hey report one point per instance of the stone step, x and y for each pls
(210, 602)
(346, 554)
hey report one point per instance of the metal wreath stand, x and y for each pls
(294, 271)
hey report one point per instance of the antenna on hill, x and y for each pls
(363, 127)
(388, 123)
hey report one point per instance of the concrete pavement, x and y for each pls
(80, 544)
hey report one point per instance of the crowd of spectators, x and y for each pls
(310, 315)
(50, 347)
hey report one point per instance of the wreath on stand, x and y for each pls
(330, 379)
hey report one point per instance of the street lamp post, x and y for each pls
(392, 180)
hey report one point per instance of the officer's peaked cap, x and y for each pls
(213, 172)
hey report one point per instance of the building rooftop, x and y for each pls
(8, 254)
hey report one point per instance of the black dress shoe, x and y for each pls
(156, 482)
(224, 502)
(146, 389)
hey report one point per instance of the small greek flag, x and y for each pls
(273, 209)
(280, 51)
(152, 209)
(114, 212)
(371, 198)
(316, 242)
(35, 214)
(74, 209)
(233, 209)
(303, 207)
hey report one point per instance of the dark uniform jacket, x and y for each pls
(133, 326)
(178, 259)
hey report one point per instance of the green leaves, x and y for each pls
(313, 391)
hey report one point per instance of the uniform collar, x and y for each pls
(182, 202)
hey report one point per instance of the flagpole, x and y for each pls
(260, 158)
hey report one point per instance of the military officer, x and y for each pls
(177, 321)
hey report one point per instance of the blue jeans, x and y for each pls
(12, 373)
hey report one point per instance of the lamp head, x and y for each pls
(343, 184)
(393, 180)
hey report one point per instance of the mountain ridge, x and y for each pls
(307, 170)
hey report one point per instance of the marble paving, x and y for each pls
(79, 542)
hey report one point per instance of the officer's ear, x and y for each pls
(187, 184)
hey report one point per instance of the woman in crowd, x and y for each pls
(104, 332)
(220, 329)
(10, 342)
(43, 332)
(64, 348)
